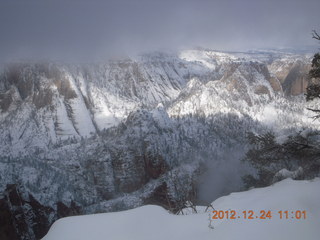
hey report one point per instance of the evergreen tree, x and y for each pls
(313, 90)
(297, 156)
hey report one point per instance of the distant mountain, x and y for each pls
(78, 139)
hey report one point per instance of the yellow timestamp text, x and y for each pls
(262, 214)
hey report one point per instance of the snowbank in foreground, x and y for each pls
(155, 223)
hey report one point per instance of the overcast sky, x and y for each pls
(87, 28)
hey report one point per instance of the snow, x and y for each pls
(198, 56)
(65, 126)
(109, 109)
(285, 173)
(82, 119)
(269, 115)
(153, 222)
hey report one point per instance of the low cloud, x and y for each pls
(89, 29)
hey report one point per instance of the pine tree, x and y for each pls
(268, 157)
(313, 90)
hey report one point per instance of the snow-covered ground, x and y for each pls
(153, 222)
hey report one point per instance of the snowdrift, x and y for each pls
(153, 222)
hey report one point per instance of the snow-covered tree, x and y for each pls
(313, 90)
(296, 157)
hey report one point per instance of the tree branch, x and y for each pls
(317, 111)
(314, 110)
(315, 35)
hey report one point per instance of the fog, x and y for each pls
(223, 176)
(83, 29)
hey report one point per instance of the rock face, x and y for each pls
(293, 76)
(297, 80)
(25, 218)
(107, 137)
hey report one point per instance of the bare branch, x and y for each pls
(314, 110)
(315, 35)
(315, 117)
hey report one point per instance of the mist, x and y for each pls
(223, 176)
(96, 29)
